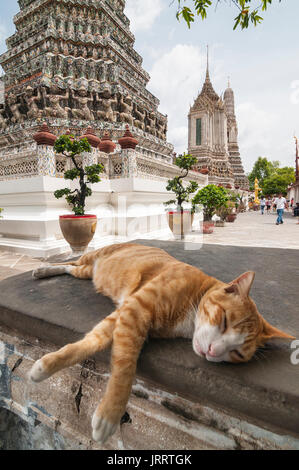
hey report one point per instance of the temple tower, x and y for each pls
(232, 139)
(208, 134)
(73, 65)
(212, 136)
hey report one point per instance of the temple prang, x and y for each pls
(73, 65)
(213, 136)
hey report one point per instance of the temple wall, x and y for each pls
(128, 201)
(56, 414)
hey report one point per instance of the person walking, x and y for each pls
(280, 203)
(263, 203)
(268, 205)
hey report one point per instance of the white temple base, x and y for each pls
(127, 209)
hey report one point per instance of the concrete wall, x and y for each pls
(56, 414)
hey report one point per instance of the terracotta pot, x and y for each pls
(207, 226)
(219, 223)
(180, 223)
(78, 230)
(231, 218)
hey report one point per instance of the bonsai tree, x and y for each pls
(235, 198)
(182, 193)
(224, 211)
(71, 148)
(212, 198)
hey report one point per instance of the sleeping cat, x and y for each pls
(159, 296)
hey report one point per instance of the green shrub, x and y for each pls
(212, 198)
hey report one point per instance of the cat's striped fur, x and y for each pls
(159, 296)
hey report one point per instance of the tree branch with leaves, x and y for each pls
(248, 10)
(71, 148)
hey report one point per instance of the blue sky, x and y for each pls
(262, 64)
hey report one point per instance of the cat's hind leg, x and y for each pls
(96, 340)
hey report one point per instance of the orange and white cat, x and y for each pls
(159, 296)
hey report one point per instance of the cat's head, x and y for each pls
(228, 326)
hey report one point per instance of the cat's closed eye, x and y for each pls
(240, 356)
(224, 324)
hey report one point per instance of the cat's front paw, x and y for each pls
(38, 372)
(102, 428)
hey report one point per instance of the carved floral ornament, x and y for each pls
(106, 145)
(44, 136)
(128, 141)
(90, 135)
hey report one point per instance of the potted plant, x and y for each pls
(231, 216)
(78, 229)
(242, 205)
(222, 212)
(212, 198)
(1, 210)
(250, 202)
(180, 219)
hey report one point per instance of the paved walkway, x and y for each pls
(249, 229)
(256, 230)
(12, 264)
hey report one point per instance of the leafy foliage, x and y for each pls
(185, 162)
(212, 198)
(278, 182)
(248, 11)
(272, 179)
(68, 146)
(1, 210)
(262, 169)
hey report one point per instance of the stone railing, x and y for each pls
(63, 164)
(18, 162)
(33, 160)
(130, 163)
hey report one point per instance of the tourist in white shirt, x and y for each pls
(263, 203)
(280, 203)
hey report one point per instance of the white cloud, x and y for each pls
(143, 13)
(257, 131)
(176, 78)
(3, 35)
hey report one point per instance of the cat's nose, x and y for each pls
(211, 351)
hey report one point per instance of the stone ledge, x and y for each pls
(56, 414)
(264, 391)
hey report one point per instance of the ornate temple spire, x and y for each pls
(207, 89)
(207, 71)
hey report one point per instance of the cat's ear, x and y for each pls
(270, 332)
(241, 285)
